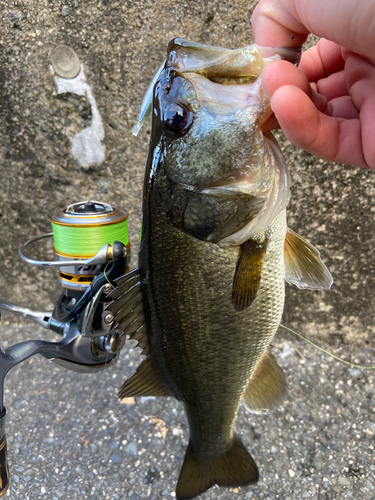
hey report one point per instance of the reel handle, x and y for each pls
(4, 471)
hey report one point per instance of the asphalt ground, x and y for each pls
(69, 437)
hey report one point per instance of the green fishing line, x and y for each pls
(105, 274)
(329, 353)
(86, 241)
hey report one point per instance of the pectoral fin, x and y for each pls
(248, 273)
(145, 382)
(268, 386)
(303, 265)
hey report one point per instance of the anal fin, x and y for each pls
(268, 386)
(303, 265)
(248, 273)
(145, 382)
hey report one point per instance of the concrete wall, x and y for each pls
(121, 44)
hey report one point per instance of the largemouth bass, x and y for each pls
(215, 250)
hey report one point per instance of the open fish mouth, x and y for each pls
(225, 66)
(217, 64)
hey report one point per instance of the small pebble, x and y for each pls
(131, 449)
(116, 459)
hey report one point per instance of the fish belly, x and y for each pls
(204, 350)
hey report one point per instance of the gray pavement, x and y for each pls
(70, 438)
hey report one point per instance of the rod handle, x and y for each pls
(4, 471)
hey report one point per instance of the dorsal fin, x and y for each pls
(267, 387)
(127, 308)
(303, 265)
(248, 273)
(124, 283)
(145, 382)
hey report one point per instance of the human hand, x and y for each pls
(327, 104)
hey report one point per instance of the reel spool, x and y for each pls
(83, 235)
(79, 232)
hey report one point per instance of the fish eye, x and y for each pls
(176, 117)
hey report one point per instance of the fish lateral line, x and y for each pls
(328, 352)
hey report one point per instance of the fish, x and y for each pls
(207, 297)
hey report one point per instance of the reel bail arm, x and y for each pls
(102, 257)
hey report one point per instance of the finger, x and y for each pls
(333, 86)
(361, 84)
(333, 139)
(280, 73)
(343, 107)
(275, 22)
(367, 114)
(274, 25)
(322, 60)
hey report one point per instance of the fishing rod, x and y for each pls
(91, 250)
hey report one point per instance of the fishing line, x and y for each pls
(81, 241)
(327, 352)
(105, 274)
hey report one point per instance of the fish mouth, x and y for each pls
(225, 66)
(219, 65)
(222, 99)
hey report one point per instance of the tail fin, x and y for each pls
(235, 467)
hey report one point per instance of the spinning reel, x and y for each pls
(91, 250)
